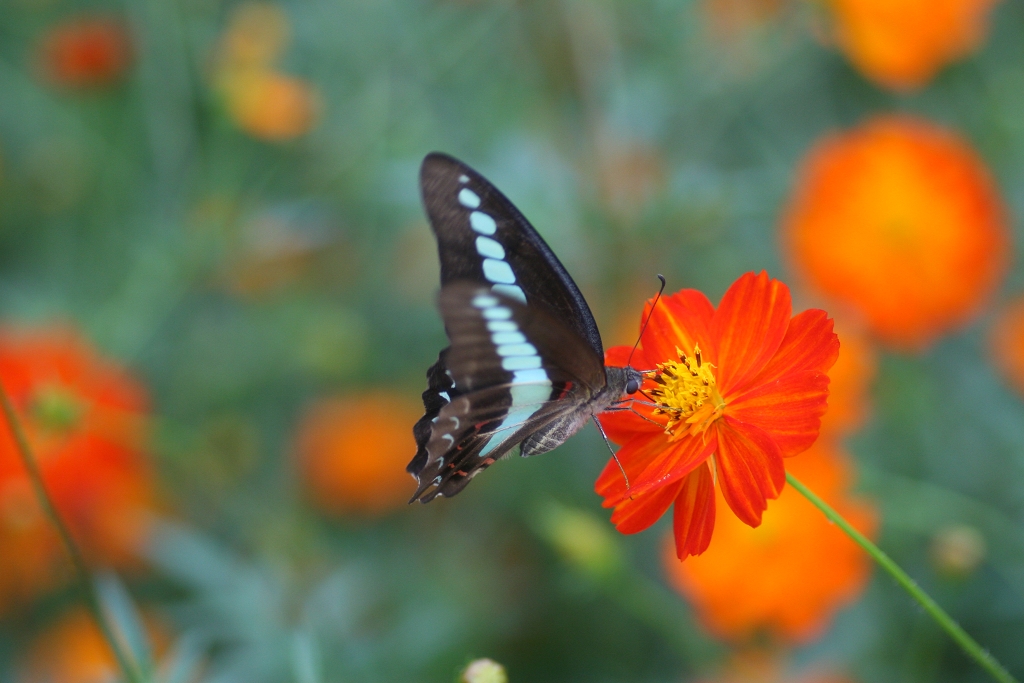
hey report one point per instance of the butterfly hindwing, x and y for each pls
(511, 370)
(483, 238)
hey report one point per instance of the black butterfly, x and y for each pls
(525, 365)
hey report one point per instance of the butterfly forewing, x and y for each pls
(483, 238)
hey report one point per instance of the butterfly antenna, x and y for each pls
(610, 450)
(647, 322)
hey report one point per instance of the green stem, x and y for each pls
(968, 644)
(77, 560)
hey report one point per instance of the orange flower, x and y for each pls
(273, 106)
(737, 390)
(899, 220)
(352, 453)
(806, 567)
(261, 100)
(849, 382)
(901, 44)
(85, 418)
(73, 651)
(1006, 343)
(85, 52)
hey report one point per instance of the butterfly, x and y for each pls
(525, 365)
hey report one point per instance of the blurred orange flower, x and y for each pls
(85, 52)
(901, 44)
(73, 651)
(260, 99)
(352, 452)
(805, 568)
(849, 382)
(271, 105)
(899, 220)
(85, 418)
(1006, 343)
(737, 389)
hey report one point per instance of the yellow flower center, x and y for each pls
(687, 394)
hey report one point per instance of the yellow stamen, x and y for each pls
(687, 394)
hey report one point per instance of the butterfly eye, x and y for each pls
(632, 386)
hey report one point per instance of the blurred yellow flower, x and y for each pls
(790, 575)
(259, 98)
(900, 221)
(901, 44)
(256, 36)
(352, 453)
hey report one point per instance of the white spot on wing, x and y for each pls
(530, 376)
(485, 246)
(444, 395)
(496, 313)
(511, 291)
(463, 178)
(481, 222)
(517, 350)
(520, 363)
(498, 271)
(484, 301)
(501, 326)
(526, 400)
(468, 198)
(508, 338)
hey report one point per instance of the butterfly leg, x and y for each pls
(610, 450)
(636, 412)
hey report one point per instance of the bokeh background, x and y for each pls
(216, 297)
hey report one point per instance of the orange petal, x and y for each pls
(788, 409)
(680, 320)
(809, 344)
(639, 512)
(673, 462)
(635, 455)
(693, 518)
(750, 469)
(617, 356)
(623, 424)
(748, 328)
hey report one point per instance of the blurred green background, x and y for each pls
(244, 263)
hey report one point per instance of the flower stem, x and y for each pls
(77, 560)
(968, 644)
